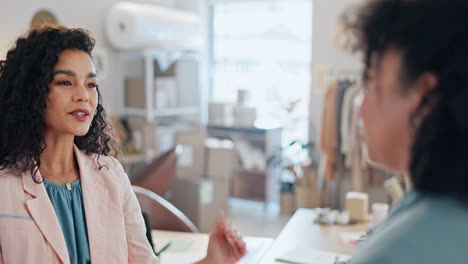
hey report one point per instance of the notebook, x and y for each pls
(256, 249)
(312, 256)
(180, 257)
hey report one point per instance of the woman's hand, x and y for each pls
(225, 245)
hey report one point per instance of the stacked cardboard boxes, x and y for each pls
(150, 138)
(202, 188)
(164, 92)
(245, 116)
(144, 136)
(220, 114)
(357, 205)
(191, 162)
(308, 192)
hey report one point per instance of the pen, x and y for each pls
(163, 249)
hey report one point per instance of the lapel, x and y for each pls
(95, 200)
(43, 213)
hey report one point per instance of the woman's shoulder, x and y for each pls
(9, 173)
(434, 230)
(11, 181)
(108, 166)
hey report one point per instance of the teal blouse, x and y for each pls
(420, 229)
(69, 208)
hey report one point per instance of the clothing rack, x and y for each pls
(344, 74)
(345, 167)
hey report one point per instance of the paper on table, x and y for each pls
(180, 257)
(256, 248)
(311, 256)
(177, 245)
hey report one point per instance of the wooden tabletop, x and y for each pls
(197, 243)
(186, 242)
(301, 231)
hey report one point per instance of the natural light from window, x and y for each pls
(265, 47)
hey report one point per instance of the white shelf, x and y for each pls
(165, 58)
(165, 112)
(176, 111)
(156, 53)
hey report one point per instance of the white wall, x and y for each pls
(326, 14)
(201, 88)
(15, 18)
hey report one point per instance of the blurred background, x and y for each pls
(247, 107)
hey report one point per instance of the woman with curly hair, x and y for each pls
(64, 199)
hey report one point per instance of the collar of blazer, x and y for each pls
(95, 200)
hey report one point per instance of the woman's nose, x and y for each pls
(81, 94)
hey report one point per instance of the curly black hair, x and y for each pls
(25, 76)
(431, 36)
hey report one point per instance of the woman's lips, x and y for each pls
(80, 114)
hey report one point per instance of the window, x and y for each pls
(265, 47)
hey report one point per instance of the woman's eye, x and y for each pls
(92, 85)
(66, 83)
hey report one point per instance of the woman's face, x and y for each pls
(73, 97)
(386, 112)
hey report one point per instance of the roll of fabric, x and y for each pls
(135, 26)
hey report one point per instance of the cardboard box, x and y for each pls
(309, 177)
(144, 136)
(222, 192)
(165, 138)
(249, 185)
(219, 158)
(308, 196)
(288, 203)
(191, 162)
(201, 200)
(245, 116)
(164, 92)
(135, 93)
(357, 205)
(220, 114)
(187, 72)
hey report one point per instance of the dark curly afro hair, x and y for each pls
(431, 36)
(25, 76)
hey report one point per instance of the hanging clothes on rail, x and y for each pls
(328, 141)
(345, 164)
(364, 174)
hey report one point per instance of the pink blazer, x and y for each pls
(30, 231)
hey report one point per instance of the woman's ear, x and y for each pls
(423, 94)
(426, 83)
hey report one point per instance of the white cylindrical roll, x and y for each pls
(133, 26)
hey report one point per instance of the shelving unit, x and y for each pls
(254, 184)
(150, 112)
(155, 113)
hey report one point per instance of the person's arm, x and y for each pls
(139, 249)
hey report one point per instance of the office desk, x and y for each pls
(197, 243)
(301, 231)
